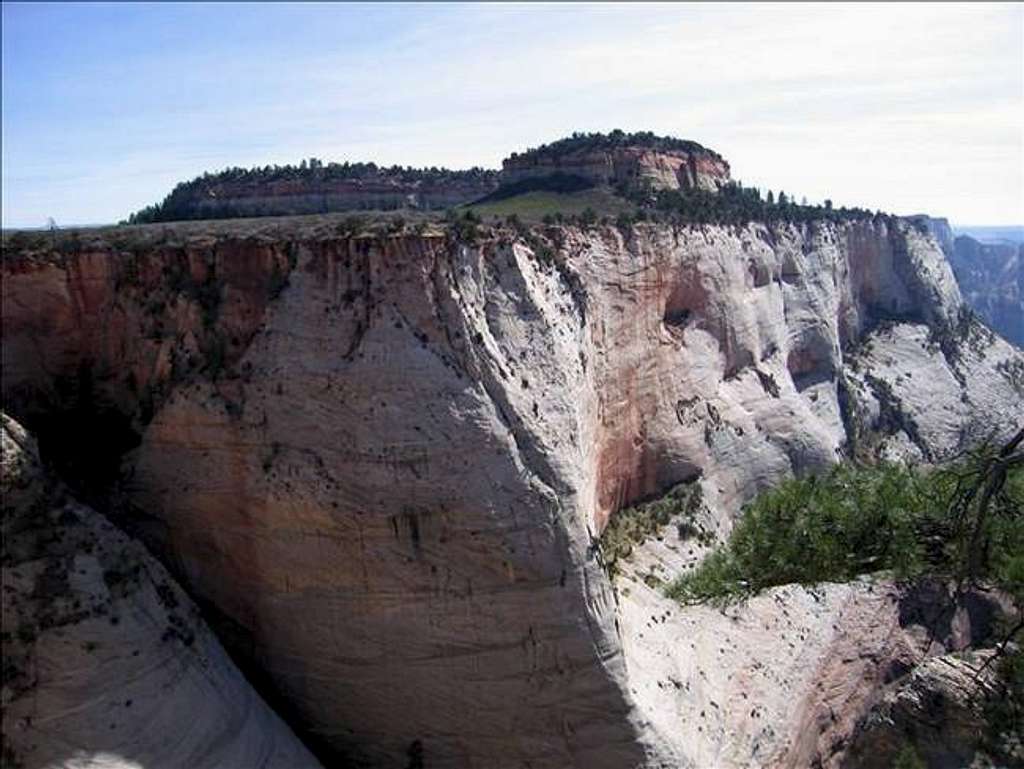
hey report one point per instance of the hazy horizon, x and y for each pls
(904, 108)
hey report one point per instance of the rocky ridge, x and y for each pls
(318, 188)
(385, 458)
(629, 163)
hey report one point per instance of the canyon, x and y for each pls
(381, 460)
(991, 277)
(380, 456)
(990, 273)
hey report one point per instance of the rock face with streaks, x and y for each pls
(306, 194)
(630, 166)
(939, 228)
(106, 660)
(383, 460)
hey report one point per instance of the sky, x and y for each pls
(904, 108)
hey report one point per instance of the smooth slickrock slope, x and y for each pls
(786, 679)
(106, 661)
(386, 460)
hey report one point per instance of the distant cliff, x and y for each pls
(317, 188)
(991, 278)
(990, 275)
(628, 163)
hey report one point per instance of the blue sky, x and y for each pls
(906, 108)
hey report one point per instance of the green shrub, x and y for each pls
(633, 525)
(736, 204)
(465, 228)
(856, 520)
(1003, 735)
(907, 758)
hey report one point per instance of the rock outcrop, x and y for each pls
(939, 228)
(942, 711)
(625, 164)
(385, 459)
(990, 275)
(107, 662)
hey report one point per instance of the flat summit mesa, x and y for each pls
(383, 452)
(625, 163)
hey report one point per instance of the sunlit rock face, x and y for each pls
(625, 167)
(791, 677)
(107, 662)
(384, 461)
(382, 191)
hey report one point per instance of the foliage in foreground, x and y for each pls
(956, 521)
(1004, 713)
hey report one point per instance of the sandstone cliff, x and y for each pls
(385, 459)
(632, 162)
(939, 228)
(317, 188)
(991, 277)
(106, 661)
